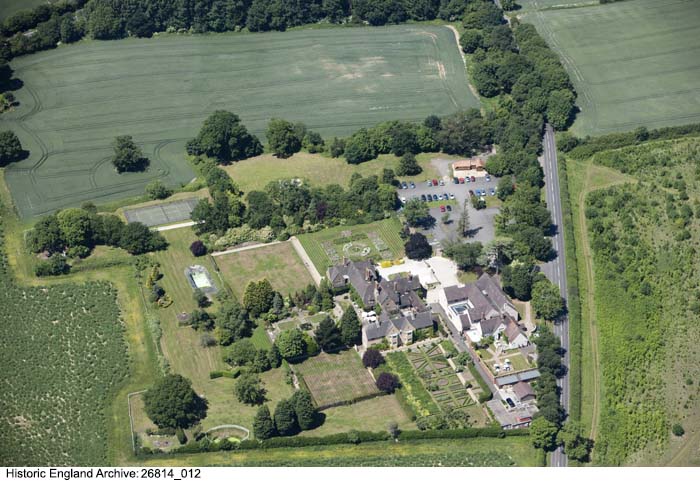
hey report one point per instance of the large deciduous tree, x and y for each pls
(232, 323)
(418, 247)
(408, 165)
(416, 212)
(282, 138)
(249, 389)
(225, 138)
(258, 297)
(128, 157)
(291, 344)
(543, 434)
(546, 299)
(172, 403)
(10, 147)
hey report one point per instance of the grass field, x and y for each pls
(278, 263)
(512, 451)
(369, 415)
(77, 98)
(633, 63)
(319, 170)
(631, 420)
(327, 247)
(336, 378)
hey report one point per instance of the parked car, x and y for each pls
(440, 197)
(404, 185)
(422, 197)
(452, 196)
(466, 179)
(435, 197)
(471, 193)
(455, 180)
(473, 179)
(461, 180)
(488, 178)
(449, 208)
(442, 208)
(429, 183)
(412, 185)
(403, 200)
(442, 182)
(510, 402)
(435, 182)
(493, 191)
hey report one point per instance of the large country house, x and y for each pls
(482, 309)
(393, 309)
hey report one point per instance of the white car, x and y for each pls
(403, 200)
(452, 196)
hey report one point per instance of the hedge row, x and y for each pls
(574, 299)
(230, 374)
(589, 146)
(486, 395)
(352, 437)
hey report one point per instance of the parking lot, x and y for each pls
(480, 221)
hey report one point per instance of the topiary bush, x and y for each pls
(387, 382)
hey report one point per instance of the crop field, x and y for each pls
(63, 355)
(633, 63)
(336, 378)
(278, 263)
(640, 363)
(376, 241)
(77, 98)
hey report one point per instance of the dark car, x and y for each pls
(422, 197)
(435, 197)
(471, 193)
(510, 402)
(449, 208)
(473, 179)
(455, 180)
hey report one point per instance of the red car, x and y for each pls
(435, 182)
(473, 179)
(461, 180)
(442, 208)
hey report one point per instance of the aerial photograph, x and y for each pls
(349, 234)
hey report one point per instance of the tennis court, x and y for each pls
(161, 214)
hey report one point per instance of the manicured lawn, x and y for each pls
(336, 378)
(632, 63)
(317, 169)
(459, 452)
(380, 240)
(181, 345)
(278, 263)
(77, 98)
(369, 415)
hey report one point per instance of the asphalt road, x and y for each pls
(555, 270)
